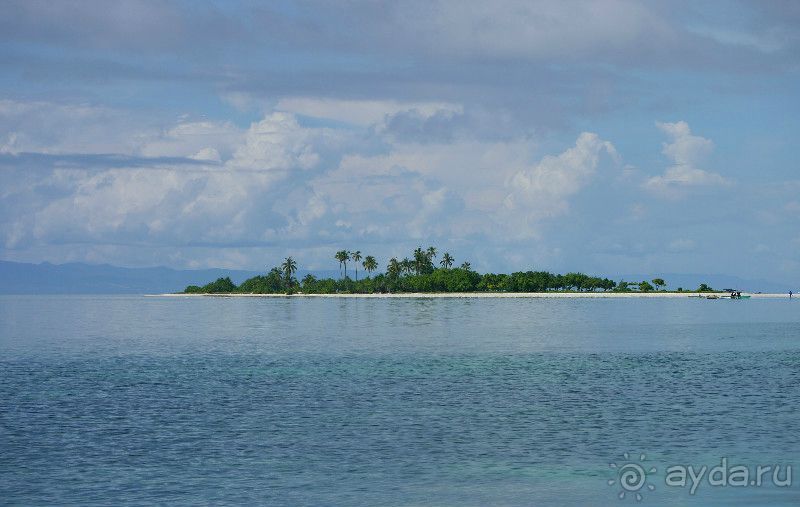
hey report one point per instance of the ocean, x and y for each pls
(131, 400)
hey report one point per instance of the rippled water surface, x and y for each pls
(290, 401)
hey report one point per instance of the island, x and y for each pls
(423, 272)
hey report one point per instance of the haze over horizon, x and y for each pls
(605, 137)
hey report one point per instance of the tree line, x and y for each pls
(422, 271)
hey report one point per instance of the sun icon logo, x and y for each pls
(632, 476)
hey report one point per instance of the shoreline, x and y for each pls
(467, 295)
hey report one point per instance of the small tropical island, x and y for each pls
(424, 272)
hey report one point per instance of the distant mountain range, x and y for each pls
(80, 278)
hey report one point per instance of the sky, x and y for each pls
(606, 137)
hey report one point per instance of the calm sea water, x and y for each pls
(134, 400)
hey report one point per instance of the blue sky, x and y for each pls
(609, 137)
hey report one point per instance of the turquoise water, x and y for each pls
(133, 400)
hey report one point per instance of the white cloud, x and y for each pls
(154, 206)
(543, 190)
(476, 170)
(360, 112)
(110, 202)
(686, 176)
(47, 127)
(176, 204)
(282, 182)
(687, 151)
(392, 202)
(201, 140)
(208, 155)
(276, 142)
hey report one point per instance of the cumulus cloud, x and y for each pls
(395, 201)
(543, 190)
(230, 193)
(158, 201)
(47, 127)
(207, 184)
(201, 140)
(686, 151)
(276, 142)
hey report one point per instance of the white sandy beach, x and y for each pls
(435, 295)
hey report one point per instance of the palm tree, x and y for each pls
(466, 266)
(394, 268)
(370, 264)
(447, 260)
(342, 256)
(431, 253)
(356, 256)
(420, 258)
(339, 258)
(407, 265)
(289, 267)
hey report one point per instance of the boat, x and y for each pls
(717, 296)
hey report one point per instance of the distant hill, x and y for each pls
(79, 278)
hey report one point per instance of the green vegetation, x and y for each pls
(645, 287)
(420, 273)
(704, 288)
(356, 256)
(370, 264)
(447, 261)
(220, 286)
(342, 256)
